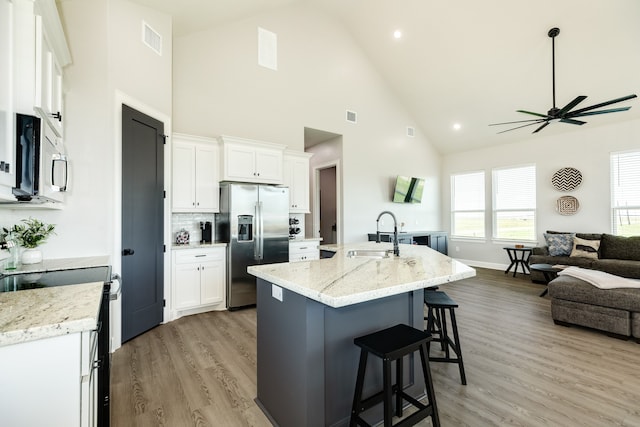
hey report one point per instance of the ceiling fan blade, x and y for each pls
(572, 121)
(544, 125)
(603, 104)
(569, 106)
(518, 127)
(517, 121)
(593, 113)
(532, 113)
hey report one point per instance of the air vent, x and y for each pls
(352, 116)
(411, 131)
(151, 38)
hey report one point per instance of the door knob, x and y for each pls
(126, 252)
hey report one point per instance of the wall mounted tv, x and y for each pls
(408, 190)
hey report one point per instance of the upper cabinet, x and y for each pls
(296, 177)
(51, 55)
(195, 174)
(251, 161)
(7, 163)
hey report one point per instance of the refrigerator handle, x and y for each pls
(256, 233)
(260, 232)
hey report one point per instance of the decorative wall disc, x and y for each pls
(567, 205)
(566, 179)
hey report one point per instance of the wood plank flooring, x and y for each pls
(522, 370)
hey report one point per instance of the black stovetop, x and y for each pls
(24, 281)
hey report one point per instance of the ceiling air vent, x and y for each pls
(352, 116)
(151, 38)
(411, 131)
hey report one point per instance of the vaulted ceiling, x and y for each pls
(474, 62)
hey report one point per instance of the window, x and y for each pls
(467, 205)
(625, 193)
(514, 203)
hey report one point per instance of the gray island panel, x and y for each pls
(307, 362)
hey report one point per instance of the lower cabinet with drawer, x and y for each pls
(198, 278)
(304, 251)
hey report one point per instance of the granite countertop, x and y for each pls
(340, 281)
(58, 264)
(197, 245)
(48, 312)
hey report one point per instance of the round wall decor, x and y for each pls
(567, 205)
(566, 179)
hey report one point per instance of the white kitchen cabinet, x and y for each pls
(48, 100)
(306, 250)
(50, 381)
(198, 277)
(296, 177)
(195, 174)
(246, 160)
(7, 159)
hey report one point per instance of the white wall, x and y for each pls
(107, 55)
(586, 149)
(220, 89)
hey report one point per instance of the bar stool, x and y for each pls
(438, 303)
(393, 344)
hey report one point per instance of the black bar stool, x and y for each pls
(393, 344)
(438, 303)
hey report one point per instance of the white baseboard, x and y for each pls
(481, 264)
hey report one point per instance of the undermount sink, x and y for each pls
(368, 253)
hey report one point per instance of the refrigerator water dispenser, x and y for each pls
(245, 228)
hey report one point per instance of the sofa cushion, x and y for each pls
(619, 267)
(619, 247)
(585, 248)
(563, 260)
(559, 244)
(573, 289)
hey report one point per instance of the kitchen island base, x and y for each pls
(307, 362)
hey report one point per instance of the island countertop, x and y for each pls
(341, 281)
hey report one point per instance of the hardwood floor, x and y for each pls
(522, 370)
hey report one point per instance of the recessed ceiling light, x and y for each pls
(397, 34)
(457, 126)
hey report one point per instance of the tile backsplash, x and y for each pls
(191, 223)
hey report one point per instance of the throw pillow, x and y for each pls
(585, 248)
(619, 247)
(559, 244)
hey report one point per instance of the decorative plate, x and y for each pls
(567, 205)
(566, 179)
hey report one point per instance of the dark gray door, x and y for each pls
(142, 222)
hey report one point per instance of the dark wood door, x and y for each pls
(142, 222)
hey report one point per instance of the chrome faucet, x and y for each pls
(396, 249)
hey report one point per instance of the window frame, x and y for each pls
(614, 177)
(495, 211)
(454, 211)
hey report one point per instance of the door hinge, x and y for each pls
(164, 248)
(164, 194)
(164, 302)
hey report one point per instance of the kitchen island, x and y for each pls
(309, 313)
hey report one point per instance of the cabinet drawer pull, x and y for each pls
(200, 256)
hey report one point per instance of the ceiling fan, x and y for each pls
(564, 114)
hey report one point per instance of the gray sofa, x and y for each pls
(574, 301)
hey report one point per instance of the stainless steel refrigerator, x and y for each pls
(254, 222)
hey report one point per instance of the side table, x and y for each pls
(518, 257)
(550, 272)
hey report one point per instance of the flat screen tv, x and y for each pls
(408, 190)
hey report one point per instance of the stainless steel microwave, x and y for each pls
(41, 165)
